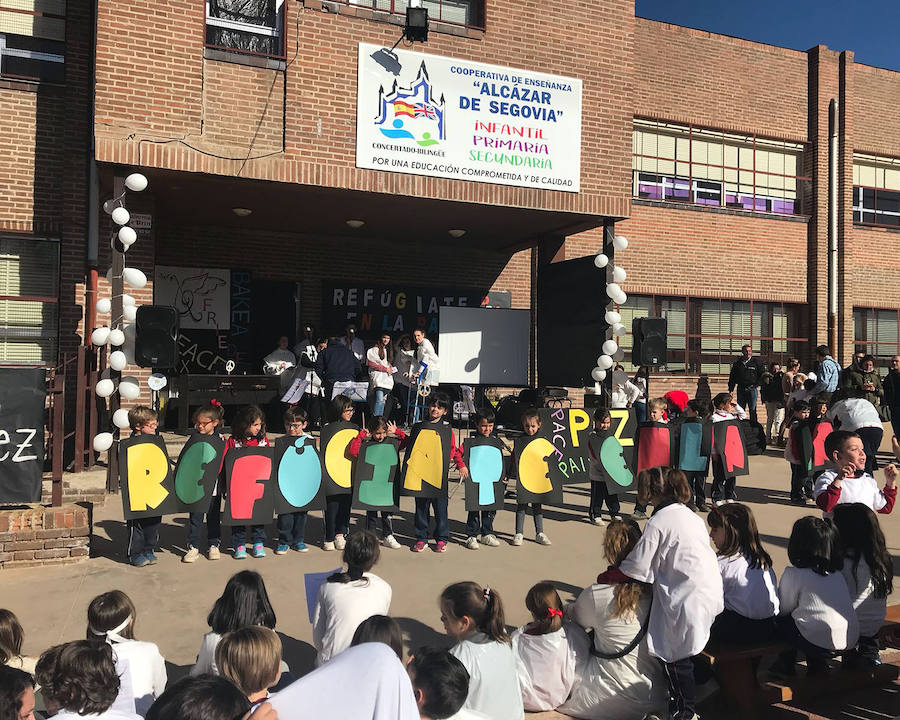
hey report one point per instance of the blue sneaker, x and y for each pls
(140, 561)
(280, 550)
(300, 546)
(259, 551)
(151, 557)
(240, 553)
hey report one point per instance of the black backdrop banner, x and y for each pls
(23, 393)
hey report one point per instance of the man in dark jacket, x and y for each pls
(891, 387)
(746, 372)
(862, 381)
(773, 397)
(336, 363)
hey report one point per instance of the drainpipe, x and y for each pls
(93, 220)
(833, 229)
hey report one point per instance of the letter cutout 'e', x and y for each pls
(190, 471)
(613, 461)
(338, 465)
(426, 461)
(299, 473)
(248, 478)
(534, 473)
(148, 467)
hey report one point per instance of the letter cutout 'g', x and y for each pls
(338, 465)
(426, 461)
(299, 474)
(613, 462)
(248, 477)
(147, 470)
(534, 474)
(190, 471)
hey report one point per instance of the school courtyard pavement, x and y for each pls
(173, 598)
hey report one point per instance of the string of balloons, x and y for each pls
(612, 353)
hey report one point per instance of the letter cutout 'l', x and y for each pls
(147, 469)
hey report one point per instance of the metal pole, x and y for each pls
(609, 232)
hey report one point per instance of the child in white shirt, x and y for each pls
(473, 616)
(674, 556)
(347, 598)
(139, 664)
(545, 661)
(817, 614)
(847, 481)
(748, 581)
(251, 659)
(869, 574)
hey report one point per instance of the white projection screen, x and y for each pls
(484, 346)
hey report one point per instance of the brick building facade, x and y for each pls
(710, 153)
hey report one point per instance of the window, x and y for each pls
(255, 27)
(33, 39)
(705, 336)
(456, 12)
(876, 190)
(877, 332)
(29, 289)
(683, 163)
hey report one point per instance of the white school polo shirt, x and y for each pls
(750, 592)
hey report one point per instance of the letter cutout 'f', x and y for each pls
(147, 470)
(248, 477)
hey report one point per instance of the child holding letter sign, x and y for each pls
(207, 421)
(248, 430)
(531, 424)
(143, 533)
(480, 524)
(292, 525)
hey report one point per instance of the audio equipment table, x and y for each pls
(227, 389)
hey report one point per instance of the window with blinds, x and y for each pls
(255, 27)
(705, 335)
(29, 307)
(33, 39)
(684, 163)
(876, 190)
(877, 332)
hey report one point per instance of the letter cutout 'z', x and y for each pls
(375, 481)
(250, 498)
(197, 471)
(333, 442)
(146, 478)
(298, 471)
(487, 469)
(426, 465)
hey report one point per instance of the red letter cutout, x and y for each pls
(821, 431)
(247, 478)
(654, 448)
(735, 455)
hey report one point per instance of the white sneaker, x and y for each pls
(391, 542)
(542, 539)
(517, 539)
(471, 543)
(213, 552)
(599, 521)
(731, 501)
(720, 503)
(328, 546)
(191, 555)
(489, 540)
(340, 542)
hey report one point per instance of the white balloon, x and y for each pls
(619, 274)
(105, 388)
(129, 312)
(612, 289)
(120, 418)
(619, 329)
(134, 277)
(610, 347)
(136, 182)
(127, 300)
(598, 374)
(110, 205)
(100, 336)
(129, 388)
(127, 235)
(601, 261)
(102, 442)
(120, 216)
(620, 242)
(621, 298)
(604, 362)
(117, 360)
(612, 317)
(104, 305)
(619, 355)
(116, 337)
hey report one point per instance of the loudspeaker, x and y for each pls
(156, 336)
(650, 342)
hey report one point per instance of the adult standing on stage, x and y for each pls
(307, 352)
(279, 362)
(336, 363)
(404, 357)
(746, 372)
(380, 362)
(891, 386)
(425, 353)
(351, 340)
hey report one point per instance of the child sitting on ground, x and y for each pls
(440, 683)
(11, 638)
(251, 659)
(545, 660)
(380, 628)
(847, 481)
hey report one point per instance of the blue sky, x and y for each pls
(867, 27)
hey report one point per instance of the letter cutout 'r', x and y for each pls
(147, 470)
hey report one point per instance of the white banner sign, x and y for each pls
(202, 296)
(442, 117)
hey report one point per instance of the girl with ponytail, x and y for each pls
(545, 651)
(347, 598)
(473, 616)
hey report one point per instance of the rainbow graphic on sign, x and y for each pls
(412, 113)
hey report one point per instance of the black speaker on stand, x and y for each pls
(650, 341)
(156, 337)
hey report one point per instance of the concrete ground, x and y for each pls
(173, 599)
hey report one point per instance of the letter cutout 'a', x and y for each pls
(427, 462)
(146, 478)
(250, 497)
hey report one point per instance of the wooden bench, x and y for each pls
(735, 669)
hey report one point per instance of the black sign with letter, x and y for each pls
(23, 392)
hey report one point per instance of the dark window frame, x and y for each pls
(398, 8)
(277, 30)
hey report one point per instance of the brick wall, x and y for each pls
(31, 537)
(876, 121)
